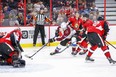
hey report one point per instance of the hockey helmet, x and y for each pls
(100, 18)
(63, 25)
(86, 15)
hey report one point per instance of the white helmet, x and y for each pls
(63, 25)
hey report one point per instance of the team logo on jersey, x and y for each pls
(76, 25)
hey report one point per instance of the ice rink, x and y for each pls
(62, 65)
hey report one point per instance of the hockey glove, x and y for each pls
(84, 35)
(78, 38)
(51, 40)
(57, 33)
(104, 37)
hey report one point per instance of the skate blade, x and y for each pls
(88, 61)
(113, 64)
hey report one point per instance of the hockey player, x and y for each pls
(83, 45)
(94, 33)
(80, 43)
(66, 33)
(11, 50)
(78, 40)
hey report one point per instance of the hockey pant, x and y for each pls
(62, 45)
(96, 41)
(80, 43)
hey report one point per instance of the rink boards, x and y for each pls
(27, 38)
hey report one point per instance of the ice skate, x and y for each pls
(55, 52)
(111, 61)
(89, 59)
(52, 53)
(82, 53)
(74, 53)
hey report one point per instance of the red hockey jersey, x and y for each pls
(75, 23)
(6, 38)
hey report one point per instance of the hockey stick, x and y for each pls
(53, 53)
(36, 51)
(110, 44)
(65, 48)
(62, 50)
(70, 45)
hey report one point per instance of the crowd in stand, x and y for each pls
(13, 10)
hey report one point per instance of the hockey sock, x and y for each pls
(107, 54)
(89, 54)
(85, 50)
(78, 49)
(59, 48)
(106, 51)
(73, 49)
(92, 49)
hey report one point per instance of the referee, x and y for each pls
(39, 26)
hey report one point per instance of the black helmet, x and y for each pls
(100, 18)
(86, 15)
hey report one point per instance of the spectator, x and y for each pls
(6, 12)
(41, 4)
(12, 4)
(29, 6)
(82, 6)
(14, 12)
(94, 10)
(5, 3)
(55, 14)
(29, 18)
(1, 17)
(5, 22)
(37, 6)
(13, 20)
(20, 6)
(20, 19)
(60, 19)
(89, 3)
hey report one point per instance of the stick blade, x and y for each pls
(29, 57)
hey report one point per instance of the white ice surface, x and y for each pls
(62, 65)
